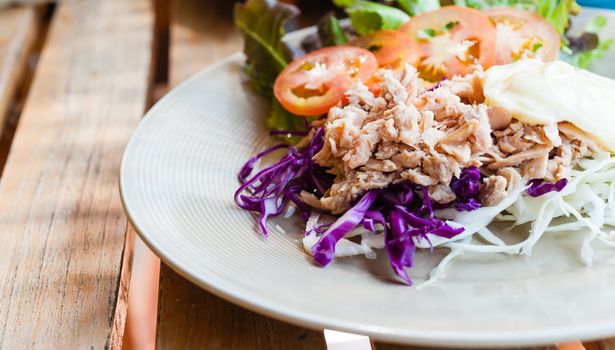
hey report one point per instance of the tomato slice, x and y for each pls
(392, 48)
(451, 40)
(312, 84)
(523, 34)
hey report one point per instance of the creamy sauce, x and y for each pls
(546, 93)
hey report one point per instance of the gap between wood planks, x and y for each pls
(142, 300)
(23, 76)
(28, 55)
(30, 121)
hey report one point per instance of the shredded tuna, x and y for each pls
(567, 155)
(492, 190)
(499, 118)
(512, 176)
(408, 133)
(441, 193)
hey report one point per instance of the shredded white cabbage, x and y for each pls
(345, 247)
(588, 198)
(587, 202)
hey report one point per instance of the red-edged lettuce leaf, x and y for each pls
(262, 23)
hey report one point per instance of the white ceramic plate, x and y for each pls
(177, 182)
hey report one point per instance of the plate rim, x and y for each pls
(233, 294)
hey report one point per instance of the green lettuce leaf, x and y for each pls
(558, 13)
(485, 4)
(584, 59)
(282, 120)
(598, 47)
(330, 31)
(367, 16)
(596, 24)
(262, 23)
(415, 7)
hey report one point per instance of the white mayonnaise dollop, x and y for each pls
(542, 93)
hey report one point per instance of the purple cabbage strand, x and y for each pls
(466, 188)
(269, 191)
(538, 187)
(404, 217)
(324, 250)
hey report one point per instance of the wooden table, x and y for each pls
(75, 78)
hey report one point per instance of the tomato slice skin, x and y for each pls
(312, 84)
(392, 48)
(461, 37)
(523, 34)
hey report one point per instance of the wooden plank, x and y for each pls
(607, 344)
(202, 32)
(18, 29)
(62, 227)
(121, 303)
(383, 346)
(188, 317)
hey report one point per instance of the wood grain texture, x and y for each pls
(18, 29)
(62, 227)
(607, 344)
(121, 304)
(383, 346)
(188, 317)
(202, 32)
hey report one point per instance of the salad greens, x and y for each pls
(367, 16)
(416, 7)
(406, 209)
(285, 124)
(262, 23)
(330, 31)
(538, 187)
(268, 191)
(558, 13)
(403, 213)
(466, 188)
(588, 46)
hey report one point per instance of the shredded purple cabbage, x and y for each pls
(269, 191)
(247, 168)
(404, 216)
(404, 211)
(469, 205)
(436, 86)
(307, 127)
(538, 187)
(288, 133)
(466, 188)
(324, 250)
